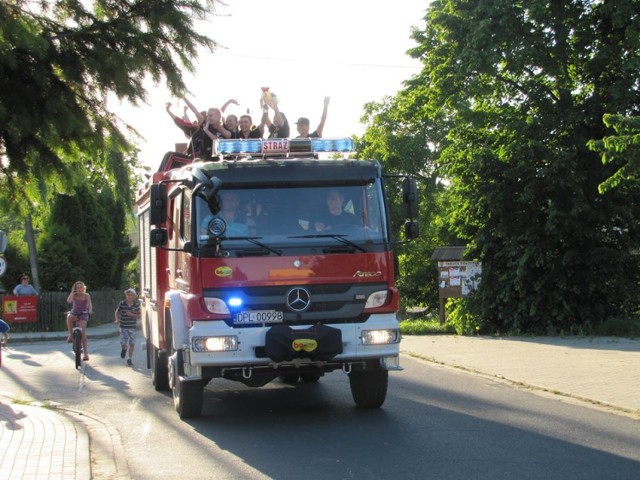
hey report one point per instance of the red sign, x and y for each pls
(275, 146)
(22, 308)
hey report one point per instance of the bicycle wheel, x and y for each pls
(77, 347)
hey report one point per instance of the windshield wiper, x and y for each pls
(340, 238)
(255, 241)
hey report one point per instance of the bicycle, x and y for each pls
(76, 337)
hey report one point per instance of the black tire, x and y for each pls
(77, 348)
(187, 395)
(149, 345)
(310, 377)
(289, 378)
(188, 398)
(159, 370)
(369, 387)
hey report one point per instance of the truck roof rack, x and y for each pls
(283, 146)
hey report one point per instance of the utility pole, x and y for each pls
(33, 258)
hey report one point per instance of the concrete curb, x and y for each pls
(108, 458)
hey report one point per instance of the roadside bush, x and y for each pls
(425, 327)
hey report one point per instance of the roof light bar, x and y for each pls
(280, 146)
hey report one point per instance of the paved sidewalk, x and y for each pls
(67, 445)
(601, 370)
(46, 441)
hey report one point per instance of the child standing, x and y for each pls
(127, 314)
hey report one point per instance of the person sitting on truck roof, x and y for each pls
(279, 127)
(336, 214)
(248, 129)
(210, 129)
(303, 123)
(231, 124)
(188, 127)
(230, 120)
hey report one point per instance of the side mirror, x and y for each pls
(411, 230)
(208, 188)
(158, 237)
(158, 203)
(410, 197)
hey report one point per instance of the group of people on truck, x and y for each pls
(212, 124)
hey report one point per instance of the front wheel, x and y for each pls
(369, 387)
(187, 394)
(77, 347)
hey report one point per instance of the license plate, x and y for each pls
(259, 316)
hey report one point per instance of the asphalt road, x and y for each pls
(437, 423)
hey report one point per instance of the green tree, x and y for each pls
(512, 94)
(622, 149)
(16, 254)
(397, 134)
(60, 60)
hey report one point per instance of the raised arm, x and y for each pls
(193, 108)
(277, 116)
(171, 114)
(324, 116)
(229, 102)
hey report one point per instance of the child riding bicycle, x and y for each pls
(80, 310)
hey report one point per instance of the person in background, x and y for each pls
(127, 315)
(303, 123)
(24, 288)
(81, 308)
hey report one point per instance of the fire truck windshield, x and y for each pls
(294, 217)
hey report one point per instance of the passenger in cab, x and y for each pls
(232, 212)
(303, 123)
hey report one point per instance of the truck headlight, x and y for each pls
(380, 337)
(223, 343)
(376, 299)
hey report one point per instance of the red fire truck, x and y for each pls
(267, 263)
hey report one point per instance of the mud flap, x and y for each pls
(318, 343)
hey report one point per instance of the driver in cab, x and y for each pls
(336, 214)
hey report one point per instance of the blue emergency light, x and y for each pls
(284, 146)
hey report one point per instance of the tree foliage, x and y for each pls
(59, 62)
(398, 135)
(510, 95)
(623, 149)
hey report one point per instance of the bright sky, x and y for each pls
(350, 50)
